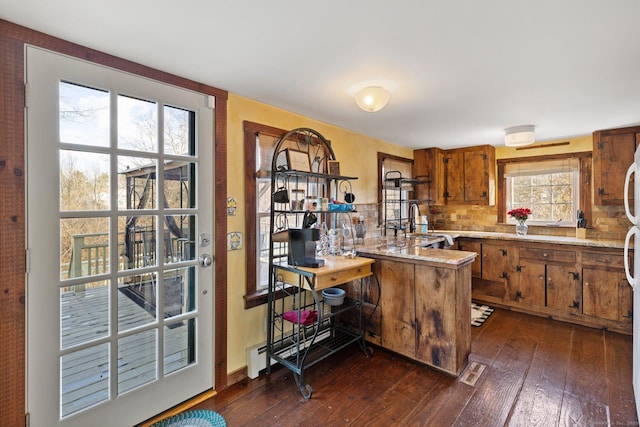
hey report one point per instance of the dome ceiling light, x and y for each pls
(372, 98)
(518, 136)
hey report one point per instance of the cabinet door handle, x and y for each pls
(334, 278)
(545, 255)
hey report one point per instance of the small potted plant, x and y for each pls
(520, 215)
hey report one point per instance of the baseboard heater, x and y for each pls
(257, 358)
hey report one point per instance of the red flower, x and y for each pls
(520, 214)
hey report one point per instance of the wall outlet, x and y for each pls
(454, 217)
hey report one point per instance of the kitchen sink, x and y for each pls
(436, 240)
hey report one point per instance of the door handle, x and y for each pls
(205, 260)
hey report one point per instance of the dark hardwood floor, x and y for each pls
(539, 372)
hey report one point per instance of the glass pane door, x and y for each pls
(117, 219)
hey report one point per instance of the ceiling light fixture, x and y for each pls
(372, 98)
(517, 136)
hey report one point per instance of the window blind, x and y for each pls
(541, 168)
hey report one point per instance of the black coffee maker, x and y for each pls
(302, 244)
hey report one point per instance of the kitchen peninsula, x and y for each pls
(425, 302)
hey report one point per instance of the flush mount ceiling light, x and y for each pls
(517, 136)
(372, 98)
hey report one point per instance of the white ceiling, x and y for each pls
(464, 69)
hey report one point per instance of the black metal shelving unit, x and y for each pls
(295, 338)
(395, 210)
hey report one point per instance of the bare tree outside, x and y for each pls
(84, 176)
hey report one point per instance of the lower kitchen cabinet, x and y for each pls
(426, 312)
(397, 306)
(472, 245)
(529, 288)
(443, 314)
(583, 285)
(492, 270)
(548, 278)
(563, 290)
(606, 293)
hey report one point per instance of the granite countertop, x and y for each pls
(411, 248)
(573, 241)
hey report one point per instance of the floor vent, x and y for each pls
(257, 359)
(473, 372)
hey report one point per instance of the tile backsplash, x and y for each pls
(607, 222)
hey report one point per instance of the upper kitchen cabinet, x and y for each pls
(459, 176)
(470, 175)
(428, 166)
(613, 151)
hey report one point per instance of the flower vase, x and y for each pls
(521, 228)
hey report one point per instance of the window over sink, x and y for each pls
(554, 187)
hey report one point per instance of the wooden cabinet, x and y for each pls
(496, 268)
(472, 245)
(613, 152)
(605, 291)
(548, 278)
(459, 176)
(529, 289)
(428, 165)
(443, 335)
(397, 306)
(577, 284)
(470, 175)
(426, 312)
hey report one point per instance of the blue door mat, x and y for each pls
(199, 418)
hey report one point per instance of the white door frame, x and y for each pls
(134, 406)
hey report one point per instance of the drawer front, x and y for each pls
(552, 255)
(603, 259)
(339, 277)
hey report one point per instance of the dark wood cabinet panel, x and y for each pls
(454, 176)
(397, 306)
(607, 294)
(562, 288)
(584, 285)
(428, 166)
(497, 260)
(479, 175)
(439, 317)
(426, 312)
(471, 245)
(458, 176)
(613, 152)
(530, 284)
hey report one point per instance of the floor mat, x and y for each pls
(198, 418)
(479, 313)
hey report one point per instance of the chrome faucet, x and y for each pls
(412, 217)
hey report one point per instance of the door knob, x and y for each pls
(205, 260)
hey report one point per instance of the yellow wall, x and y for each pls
(358, 157)
(576, 144)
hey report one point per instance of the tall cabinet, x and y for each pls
(613, 151)
(304, 323)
